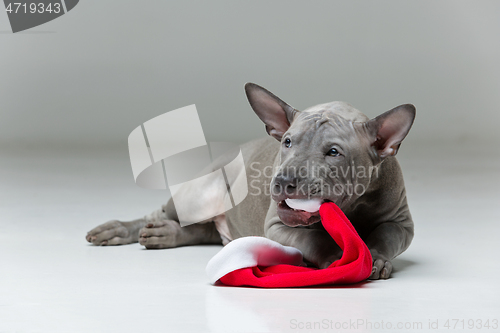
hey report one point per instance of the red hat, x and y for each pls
(261, 262)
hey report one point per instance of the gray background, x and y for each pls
(88, 78)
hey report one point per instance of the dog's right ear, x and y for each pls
(276, 114)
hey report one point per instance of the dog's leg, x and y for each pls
(158, 230)
(163, 231)
(116, 232)
(316, 245)
(387, 241)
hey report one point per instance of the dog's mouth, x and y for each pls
(296, 212)
(305, 205)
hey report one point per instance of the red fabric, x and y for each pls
(354, 266)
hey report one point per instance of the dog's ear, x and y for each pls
(390, 128)
(276, 114)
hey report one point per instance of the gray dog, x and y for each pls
(328, 152)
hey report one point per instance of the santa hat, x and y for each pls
(260, 262)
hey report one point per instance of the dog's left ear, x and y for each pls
(390, 128)
(276, 114)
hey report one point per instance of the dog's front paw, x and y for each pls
(382, 269)
(328, 261)
(160, 234)
(110, 233)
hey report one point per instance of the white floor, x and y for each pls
(51, 280)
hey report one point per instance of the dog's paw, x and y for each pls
(328, 261)
(160, 234)
(110, 233)
(382, 269)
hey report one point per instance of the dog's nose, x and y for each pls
(285, 184)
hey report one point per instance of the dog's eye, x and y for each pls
(333, 152)
(287, 142)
